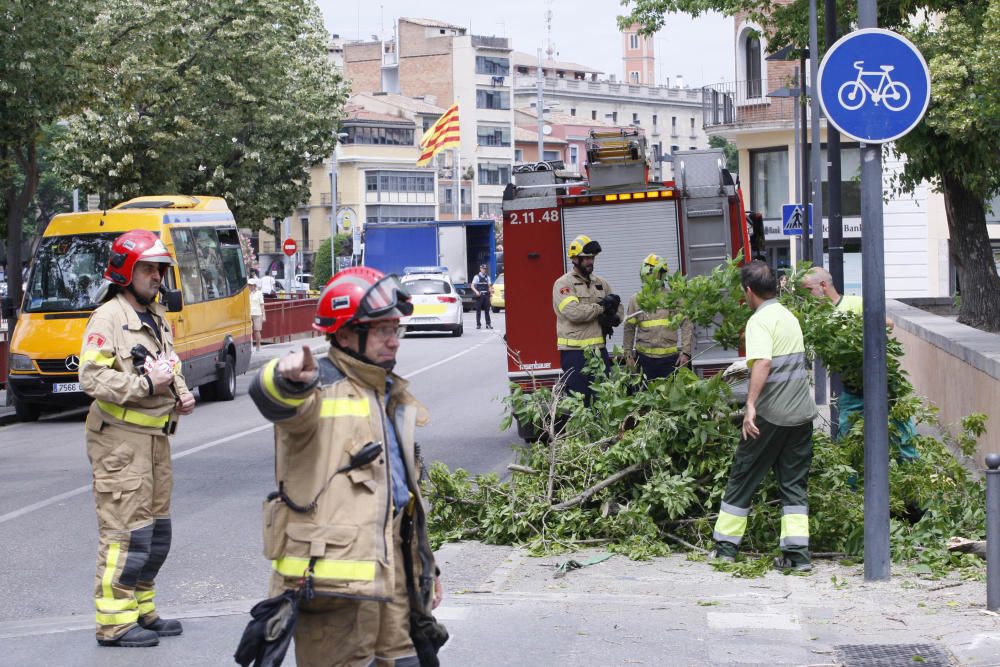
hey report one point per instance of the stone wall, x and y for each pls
(954, 366)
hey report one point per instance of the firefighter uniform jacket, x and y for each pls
(347, 537)
(649, 334)
(107, 372)
(576, 301)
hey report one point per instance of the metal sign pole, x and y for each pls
(876, 527)
(819, 373)
(835, 237)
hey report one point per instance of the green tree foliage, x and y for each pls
(43, 77)
(954, 147)
(731, 152)
(321, 263)
(235, 98)
(643, 470)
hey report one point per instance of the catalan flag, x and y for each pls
(443, 134)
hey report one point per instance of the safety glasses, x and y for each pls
(382, 298)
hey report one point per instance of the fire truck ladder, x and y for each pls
(618, 145)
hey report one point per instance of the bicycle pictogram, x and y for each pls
(894, 94)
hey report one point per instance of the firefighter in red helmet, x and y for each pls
(346, 528)
(128, 365)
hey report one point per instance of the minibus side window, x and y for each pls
(187, 260)
(232, 259)
(210, 261)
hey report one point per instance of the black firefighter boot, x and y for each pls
(134, 637)
(163, 627)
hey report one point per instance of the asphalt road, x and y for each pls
(223, 469)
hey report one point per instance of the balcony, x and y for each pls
(526, 84)
(743, 105)
(490, 42)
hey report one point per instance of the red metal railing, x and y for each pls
(287, 319)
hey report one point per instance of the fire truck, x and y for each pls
(695, 222)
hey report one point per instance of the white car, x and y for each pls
(436, 305)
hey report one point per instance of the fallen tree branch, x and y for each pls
(674, 538)
(527, 470)
(576, 500)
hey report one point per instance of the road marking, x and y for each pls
(10, 516)
(447, 359)
(83, 489)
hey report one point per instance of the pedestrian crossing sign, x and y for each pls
(792, 218)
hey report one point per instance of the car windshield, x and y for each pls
(67, 273)
(427, 286)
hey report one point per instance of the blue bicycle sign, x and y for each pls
(853, 94)
(874, 85)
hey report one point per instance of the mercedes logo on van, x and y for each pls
(72, 363)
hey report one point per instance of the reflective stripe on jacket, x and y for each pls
(576, 302)
(317, 429)
(108, 374)
(651, 335)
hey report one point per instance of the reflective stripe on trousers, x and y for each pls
(731, 524)
(794, 526)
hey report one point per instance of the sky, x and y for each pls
(582, 32)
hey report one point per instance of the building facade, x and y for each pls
(442, 61)
(671, 117)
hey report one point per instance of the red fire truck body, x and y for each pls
(695, 223)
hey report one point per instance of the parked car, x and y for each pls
(497, 300)
(436, 305)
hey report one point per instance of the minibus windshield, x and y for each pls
(67, 273)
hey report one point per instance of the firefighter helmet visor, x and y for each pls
(382, 299)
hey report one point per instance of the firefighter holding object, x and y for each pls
(649, 339)
(777, 425)
(129, 367)
(586, 313)
(346, 529)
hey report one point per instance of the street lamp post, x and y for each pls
(333, 203)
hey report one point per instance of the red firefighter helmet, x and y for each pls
(360, 294)
(138, 245)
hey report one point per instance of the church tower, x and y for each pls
(637, 57)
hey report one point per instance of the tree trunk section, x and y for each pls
(972, 255)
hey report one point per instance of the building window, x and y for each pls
(692, 127)
(614, 116)
(635, 118)
(492, 99)
(673, 124)
(633, 41)
(493, 135)
(693, 148)
(850, 180)
(633, 77)
(490, 210)
(493, 65)
(428, 122)
(551, 156)
(674, 148)
(574, 156)
(446, 198)
(769, 182)
(572, 112)
(751, 54)
(391, 213)
(518, 155)
(654, 119)
(399, 181)
(305, 232)
(593, 115)
(388, 136)
(494, 174)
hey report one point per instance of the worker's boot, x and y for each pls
(134, 637)
(163, 627)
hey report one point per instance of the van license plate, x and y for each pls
(66, 387)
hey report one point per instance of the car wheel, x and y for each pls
(207, 391)
(225, 386)
(495, 309)
(27, 412)
(458, 331)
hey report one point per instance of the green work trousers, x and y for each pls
(788, 451)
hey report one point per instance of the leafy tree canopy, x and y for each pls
(235, 98)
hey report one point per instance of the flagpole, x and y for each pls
(458, 184)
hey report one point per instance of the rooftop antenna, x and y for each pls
(548, 29)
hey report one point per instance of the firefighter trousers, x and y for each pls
(654, 368)
(788, 451)
(132, 486)
(573, 362)
(342, 632)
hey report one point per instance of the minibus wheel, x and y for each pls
(26, 412)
